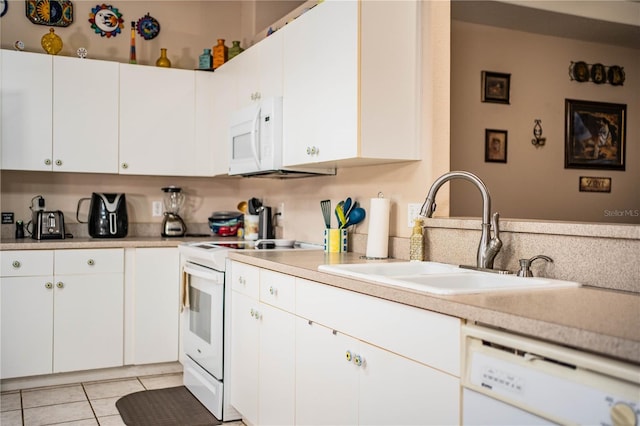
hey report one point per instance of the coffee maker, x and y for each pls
(172, 223)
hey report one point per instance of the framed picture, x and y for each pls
(595, 184)
(495, 87)
(595, 135)
(495, 146)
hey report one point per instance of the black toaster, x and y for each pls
(47, 225)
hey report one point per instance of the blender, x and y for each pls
(172, 223)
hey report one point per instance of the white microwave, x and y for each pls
(256, 142)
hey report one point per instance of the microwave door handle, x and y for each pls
(255, 138)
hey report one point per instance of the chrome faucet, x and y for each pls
(489, 246)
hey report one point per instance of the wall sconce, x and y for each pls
(537, 133)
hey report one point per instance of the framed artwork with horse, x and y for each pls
(595, 135)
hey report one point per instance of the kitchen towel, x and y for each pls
(378, 236)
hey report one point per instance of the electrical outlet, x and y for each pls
(156, 208)
(413, 211)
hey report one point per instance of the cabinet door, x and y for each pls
(321, 84)
(277, 367)
(326, 380)
(420, 394)
(85, 115)
(157, 109)
(26, 111)
(156, 312)
(259, 70)
(26, 316)
(88, 322)
(215, 101)
(245, 337)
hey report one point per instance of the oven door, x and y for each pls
(203, 328)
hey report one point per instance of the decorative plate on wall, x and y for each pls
(106, 20)
(4, 6)
(56, 13)
(148, 27)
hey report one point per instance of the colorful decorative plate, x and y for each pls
(4, 6)
(106, 20)
(56, 13)
(148, 27)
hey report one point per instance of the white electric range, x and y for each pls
(206, 304)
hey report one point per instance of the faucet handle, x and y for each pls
(525, 264)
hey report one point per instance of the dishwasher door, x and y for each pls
(506, 375)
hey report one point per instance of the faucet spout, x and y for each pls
(489, 246)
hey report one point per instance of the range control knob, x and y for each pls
(623, 414)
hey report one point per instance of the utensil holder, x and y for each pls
(335, 240)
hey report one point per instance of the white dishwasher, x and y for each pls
(514, 380)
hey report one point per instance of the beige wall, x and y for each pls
(186, 28)
(402, 183)
(533, 183)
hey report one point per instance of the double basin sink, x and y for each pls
(441, 278)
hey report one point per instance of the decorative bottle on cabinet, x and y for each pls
(235, 49)
(220, 53)
(163, 61)
(205, 60)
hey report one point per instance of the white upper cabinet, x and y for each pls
(85, 115)
(157, 128)
(215, 100)
(59, 113)
(259, 70)
(352, 84)
(27, 118)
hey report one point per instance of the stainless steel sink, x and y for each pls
(441, 278)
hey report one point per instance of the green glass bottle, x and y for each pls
(235, 49)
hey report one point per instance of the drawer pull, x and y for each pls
(357, 360)
(16, 264)
(272, 291)
(91, 262)
(60, 284)
(348, 356)
(48, 285)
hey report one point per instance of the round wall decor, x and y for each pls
(54, 13)
(106, 20)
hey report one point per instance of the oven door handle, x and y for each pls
(201, 272)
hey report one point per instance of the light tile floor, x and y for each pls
(81, 404)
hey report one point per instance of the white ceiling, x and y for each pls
(612, 22)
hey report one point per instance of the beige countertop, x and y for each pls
(95, 243)
(587, 318)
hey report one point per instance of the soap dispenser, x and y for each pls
(416, 242)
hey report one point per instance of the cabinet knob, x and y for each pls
(348, 356)
(312, 150)
(255, 314)
(241, 280)
(58, 162)
(91, 262)
(16, 264)
(125, 165)
(272, 291)
(48, 285)
(47, 162)
(60, 284)
(358, 360)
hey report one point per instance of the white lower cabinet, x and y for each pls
(308, 353)
(152, 305)
(68, 318)
(262, 347)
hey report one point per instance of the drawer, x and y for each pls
(278, 290)
(424, 336)
(93, 261)
(245, 279)
(24, 263)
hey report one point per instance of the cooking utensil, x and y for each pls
(348, 205)
(356, 216)
(325, 205)
(340, 214)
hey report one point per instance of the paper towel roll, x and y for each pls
(378, 236)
